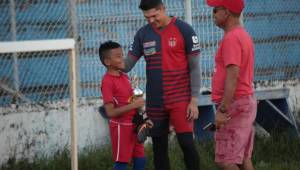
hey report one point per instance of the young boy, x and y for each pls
(117, 94)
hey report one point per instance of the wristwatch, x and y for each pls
(222, 109)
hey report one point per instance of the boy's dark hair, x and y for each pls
(105, 48)
(149, 4)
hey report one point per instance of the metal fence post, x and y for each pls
(74, 34)
(188, 11)
(13, 28)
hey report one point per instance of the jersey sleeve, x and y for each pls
(192, 43)
(232, 51)
(107, 91)
(136, 48)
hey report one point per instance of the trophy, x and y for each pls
(137, 92)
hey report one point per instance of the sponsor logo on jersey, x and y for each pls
(172, 42)
(196, 47)
(130, 47)
(149, 47)
(195, 39)
(149, 51)
(196, 44)
(149, 44)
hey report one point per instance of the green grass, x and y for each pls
(277, 153)
(280, 153)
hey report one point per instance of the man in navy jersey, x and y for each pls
(171, 50)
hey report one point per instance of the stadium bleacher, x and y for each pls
(268, 21)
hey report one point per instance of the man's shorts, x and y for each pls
(124, 142)
(177, 113)
(234, 141)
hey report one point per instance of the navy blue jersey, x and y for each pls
(166, 54)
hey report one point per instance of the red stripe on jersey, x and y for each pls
(176, 89)
(153, 67)
(178, 99)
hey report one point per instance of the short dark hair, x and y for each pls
(105, 48)
(149, 4)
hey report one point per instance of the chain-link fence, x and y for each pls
(274, 25)
(43, 76)
(275, 28)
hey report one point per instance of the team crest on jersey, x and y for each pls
(172, 42)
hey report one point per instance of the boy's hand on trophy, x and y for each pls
(138, 102)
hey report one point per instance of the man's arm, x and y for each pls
(129, 64)
(135, 51)
(192, 49)
(232, 74)
(195, 73)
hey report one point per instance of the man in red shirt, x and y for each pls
(232, 88)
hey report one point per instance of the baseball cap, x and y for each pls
(236, 6)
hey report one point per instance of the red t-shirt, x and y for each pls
(235, 48)
(117, 90)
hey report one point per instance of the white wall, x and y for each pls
(294, 95)
(294, 100)
(32, 131)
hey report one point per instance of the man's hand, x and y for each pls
(192, 109)
(221, 119)
(143, 130)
